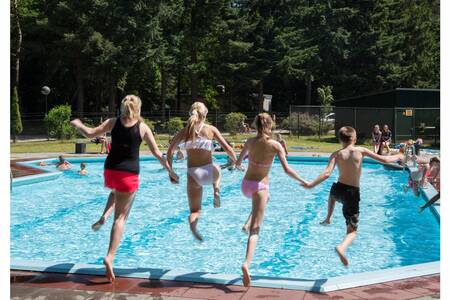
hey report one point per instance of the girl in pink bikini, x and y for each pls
(197, 139)
(261, 151)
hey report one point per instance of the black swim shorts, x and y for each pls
(349, 197)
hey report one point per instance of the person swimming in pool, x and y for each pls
(197, 139)
(121, 171)
(261, 151)
(82, 170)
(63, 164)
(346, 190)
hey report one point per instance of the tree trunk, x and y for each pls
(163, 92)
(80, 88)
(178, 90)
(308, 90)
(17, 44)
(112, 97)
(260, 95)
(193, 75)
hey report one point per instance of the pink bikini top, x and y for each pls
(258, 165)
(199, 142)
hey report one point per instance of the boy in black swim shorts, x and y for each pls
(346, 190)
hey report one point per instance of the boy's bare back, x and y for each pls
(349, 162)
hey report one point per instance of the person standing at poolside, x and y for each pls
(261, 151)
(197, 139)
(386, 139)
(376, 138)
(346, 191)
(121, 171)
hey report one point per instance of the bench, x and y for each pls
(80, 146)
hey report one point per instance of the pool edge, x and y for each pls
(314, 285)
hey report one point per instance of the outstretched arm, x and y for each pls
(382, 158)
(242, 156)
(174, 143)
(88, 132)
(287, 169)
(150, 141)
(326, 173)
(228, 149)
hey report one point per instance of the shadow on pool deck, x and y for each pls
(159, 274)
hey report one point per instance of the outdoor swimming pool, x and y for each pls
(50, 221)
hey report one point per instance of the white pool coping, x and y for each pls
(317, 285)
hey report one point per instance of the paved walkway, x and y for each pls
(34, 285)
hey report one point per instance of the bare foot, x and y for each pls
(325, 222)
(96, 226)
(216, 198)
(194, 231)
(341, 255)
(246, 276)
(109, 273)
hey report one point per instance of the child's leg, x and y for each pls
(195, 192)
(216, 185)
(106, 212)
(331, 204)
(247, 224)
(259, 201)
(123, 203)
(342, 247)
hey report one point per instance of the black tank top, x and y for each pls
(124, 152)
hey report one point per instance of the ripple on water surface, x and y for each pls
(51, 221)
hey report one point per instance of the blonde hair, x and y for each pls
(263, 124)
(131, 107)
(197, 114)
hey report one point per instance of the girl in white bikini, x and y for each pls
(197, 139)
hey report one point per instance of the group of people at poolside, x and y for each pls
(428, 169)
(381, 139)
(121, 172)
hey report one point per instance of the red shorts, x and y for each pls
(121, 181)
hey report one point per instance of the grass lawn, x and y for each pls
(301, 144)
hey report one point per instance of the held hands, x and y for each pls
(306, 184)
(173, 177)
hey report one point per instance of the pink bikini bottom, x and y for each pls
(249, 187)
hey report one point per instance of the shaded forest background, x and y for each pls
(227, 53)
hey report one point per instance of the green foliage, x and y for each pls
(173, 125)
(325, 94)
(166, 49)
(58, 122)
(150, 124)
(306, 124)
(209, 95)
(233, 122)
(16, 121)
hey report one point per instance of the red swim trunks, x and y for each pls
(121, 181)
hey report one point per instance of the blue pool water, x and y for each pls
(50, 221)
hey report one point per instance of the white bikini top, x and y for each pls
(199, 142)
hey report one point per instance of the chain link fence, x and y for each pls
(34, 124)
(405, 123)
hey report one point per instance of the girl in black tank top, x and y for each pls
(125, 143)
(121, 171)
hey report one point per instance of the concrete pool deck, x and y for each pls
(34, 285)
(399, 289)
